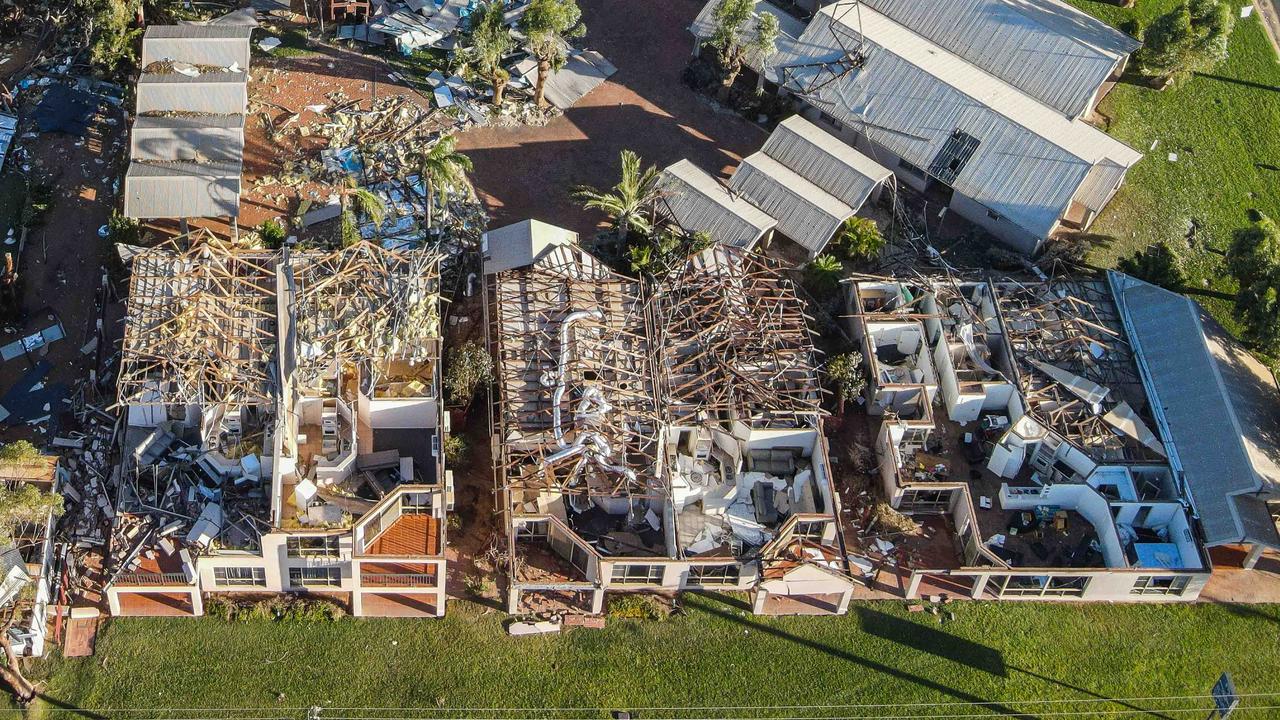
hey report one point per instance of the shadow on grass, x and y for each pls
(917, 636)
(1234, 81)
(1249, 612)
(1128, 706)
(68, 708)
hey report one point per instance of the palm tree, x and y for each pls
(358, 201)
(823, 275)
(443, 169)
(547, 26)
(491, 41)
(637, 191)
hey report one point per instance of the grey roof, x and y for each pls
(1047, 49)
(218, 45)
(522, 244)
(806, 213)
(910, 96)
(207, 138)
(1194, 410)
(182, 190)
(700, 203)
(825, 160)
(221, 93)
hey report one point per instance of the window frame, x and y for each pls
(222, 576)
(329, 546)
(651, 574)
(332, 577)
(702, 576)
(1177, 586)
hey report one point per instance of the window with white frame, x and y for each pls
(240, 576)
(714, 575)
(308, 577)
(637, 574)
(415, 504)
(811, 530)
(1172, 585)
(1041, 585)
(305, 546)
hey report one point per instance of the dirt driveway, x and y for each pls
(529, 171)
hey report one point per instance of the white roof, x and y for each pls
(521, 244)
(700, 203)
(909, 95)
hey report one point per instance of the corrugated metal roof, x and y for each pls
(209, 138)
(825, 160)
(1047, 49)
(218, 45)
(806, 213)
(182, 190)
(220, 93)
(909, 96)
(701, 203)
(522, 244)
(1194, 410)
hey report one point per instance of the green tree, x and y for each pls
(444, 170)
(822, 276)
(630, 203)
(491, 41)
(859, 237)
(271, 234)
(1254, 261)
(548, 25)
(845, 377)
(455, 450)
(1191, 37)
(1158, 264)
(468, 367)
(113, 39)
(21, 504)
(737, 40)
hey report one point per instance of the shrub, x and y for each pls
(477, 585)
(19, 451)
(271, 233)
(455, 449)
(277, 608)
(636, 606)
(468, 367)
(123, 229)
(859, 238)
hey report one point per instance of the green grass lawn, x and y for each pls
(1223, 126)
(715, 655)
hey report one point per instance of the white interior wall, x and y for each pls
(1080, 498)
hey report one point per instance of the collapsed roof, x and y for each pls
(736, 341)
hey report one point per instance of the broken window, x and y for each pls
(811, 530)
(307, 577)
(310, 546)
(415, 504)
(954, 155)
(637, 574)
(713, 575)
(246, 576)
(1172, 585)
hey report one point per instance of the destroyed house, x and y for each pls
(979, 103)
(28, 558)
(631, 457)
(284, 429)
(1039, 470)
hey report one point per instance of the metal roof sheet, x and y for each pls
(218, 45)
(806, 213)
(701, 203)
(210, 138)
(825, 160)
(182, 190)
(909, 96)
(1193, 406)
(1047, 49)
(522, 244)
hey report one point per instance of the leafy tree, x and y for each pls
(20, 505)
(822, 276)
(1191, 37)
(469, 367)
(491, 41)
(845, 377)
(548, 25)
(122, 229)
(455, 450)
(271, 234)
(1254, 261)
(627, 202)
(736, 41)
(113, 37)
(444, 170)
(859, 237)
(1158, 264)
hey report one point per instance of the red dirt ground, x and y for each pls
(529, 171)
